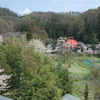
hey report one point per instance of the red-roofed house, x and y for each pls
(73, 43)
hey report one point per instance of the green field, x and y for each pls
(81, 75)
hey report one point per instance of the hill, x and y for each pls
(7, 19)
(84, 26)
(7, 12)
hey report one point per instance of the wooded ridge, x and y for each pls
(84, 26)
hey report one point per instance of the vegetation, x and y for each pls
(34, 75)
(86, 92)
(83, 26)
(7, 12)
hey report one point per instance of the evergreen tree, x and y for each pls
(86, 92)
(29, 35)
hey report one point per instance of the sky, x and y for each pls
(27, 6)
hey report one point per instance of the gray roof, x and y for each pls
(69, 97)
(4, 98)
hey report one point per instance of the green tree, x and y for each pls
(93, 47)
(86, 92)
(65, 82)
(94, 38)
(12, 51)
(29, 35)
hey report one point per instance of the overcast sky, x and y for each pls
(27, 6)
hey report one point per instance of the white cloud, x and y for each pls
(26, 11)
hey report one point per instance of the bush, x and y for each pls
(95, 72)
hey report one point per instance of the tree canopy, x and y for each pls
(34, 76)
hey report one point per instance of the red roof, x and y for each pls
(73, 42)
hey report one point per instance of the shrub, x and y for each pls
(95, 72)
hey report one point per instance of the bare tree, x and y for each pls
(65, 52)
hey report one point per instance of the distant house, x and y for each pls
(71, 42)
(4, 98)
(69, 97)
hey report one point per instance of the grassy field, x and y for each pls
(81, 74)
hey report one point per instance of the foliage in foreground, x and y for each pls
(34, 75)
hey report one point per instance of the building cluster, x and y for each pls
(67, 43)
(71, 44)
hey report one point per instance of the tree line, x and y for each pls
(84, 26)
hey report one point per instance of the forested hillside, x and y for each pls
(7, 19)
(83, 26)
(7, 12)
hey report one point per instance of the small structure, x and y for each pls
(82, 45)
(97, 49)
(4, 98)
(72, 41)
(54, 48)
(69, 97)
(62, 39)
(73, 44)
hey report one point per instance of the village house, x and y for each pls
(73, 44)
